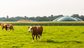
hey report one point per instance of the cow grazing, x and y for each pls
(36, 31)
(7, 26)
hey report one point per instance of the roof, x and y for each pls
(67, 18)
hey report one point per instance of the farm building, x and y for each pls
(67, 18)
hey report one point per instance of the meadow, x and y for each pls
(53, 37)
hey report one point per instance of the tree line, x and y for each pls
(38, 18)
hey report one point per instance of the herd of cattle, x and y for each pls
(35, 30)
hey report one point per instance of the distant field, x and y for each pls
(53, 37)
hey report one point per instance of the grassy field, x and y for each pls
(53, 37)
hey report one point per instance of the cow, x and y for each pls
(36, 31)
(7, 26)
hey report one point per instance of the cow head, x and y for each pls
(30, 29)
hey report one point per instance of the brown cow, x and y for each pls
(7, 26)
(36, 31)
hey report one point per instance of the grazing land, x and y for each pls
(53, 37)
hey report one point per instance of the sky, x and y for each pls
(31, 8)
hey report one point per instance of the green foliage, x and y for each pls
(53, 37)
(38, 18)
(80, 23)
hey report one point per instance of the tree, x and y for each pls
(82, 17)
(75, 15)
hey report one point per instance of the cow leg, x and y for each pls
(6, 28)
(33, 36)
(2, 28)
(39, 36)
(36, 37)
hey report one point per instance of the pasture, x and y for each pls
(53, 37)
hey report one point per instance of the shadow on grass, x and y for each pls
(15, 47)
(52, 41)
(75, 41)
(82, 32)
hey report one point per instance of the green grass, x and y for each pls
(53, 37)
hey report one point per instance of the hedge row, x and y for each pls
(51, 24)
